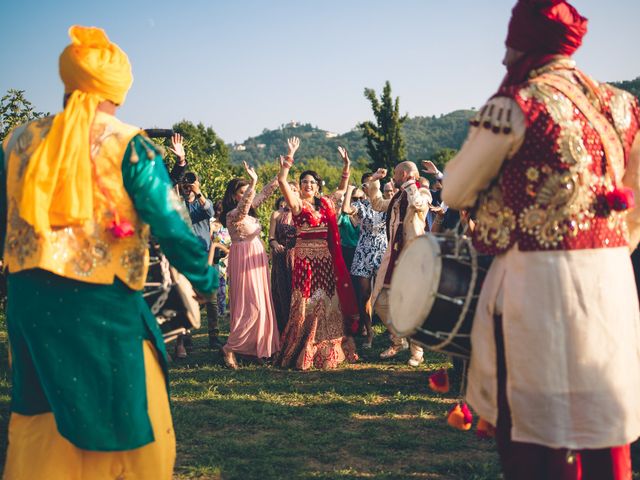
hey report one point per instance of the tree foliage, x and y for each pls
(15, 110)
(385, 143)
(631, 86)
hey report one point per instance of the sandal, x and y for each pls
(229, 359)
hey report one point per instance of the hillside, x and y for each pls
(632, 86)
(423, 135)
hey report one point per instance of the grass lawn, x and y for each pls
(371, 420)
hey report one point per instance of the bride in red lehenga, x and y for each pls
(324, 311)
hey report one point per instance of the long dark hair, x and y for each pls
(229, 202)
(316, 200)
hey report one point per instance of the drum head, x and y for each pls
(414, 285)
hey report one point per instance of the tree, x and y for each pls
(631, 86)
(15, 110)
(385, 143)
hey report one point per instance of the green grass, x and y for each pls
(371, 420)
(368, 420)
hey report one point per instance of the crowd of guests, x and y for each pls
(302, 307)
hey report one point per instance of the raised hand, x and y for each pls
(379, 174)
(430, 167)
(293, 143)
(177, 147)
(344, 155)
(251, 172)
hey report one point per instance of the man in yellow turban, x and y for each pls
(77, 197)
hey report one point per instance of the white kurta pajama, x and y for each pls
(571, 322)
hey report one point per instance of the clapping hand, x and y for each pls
(251, 172)
(177, 147)
(293, 143)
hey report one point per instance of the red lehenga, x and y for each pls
(324, 312)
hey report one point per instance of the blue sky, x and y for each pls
(244, 65)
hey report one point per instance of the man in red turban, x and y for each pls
(550, 168)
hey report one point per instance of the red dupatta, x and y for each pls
(344, 287)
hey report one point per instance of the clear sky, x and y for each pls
(240, 66)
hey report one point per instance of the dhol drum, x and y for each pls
(434, 292)
(170, 297)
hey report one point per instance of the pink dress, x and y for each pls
(253, 327)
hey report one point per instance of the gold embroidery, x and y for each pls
(620, 104)
(133, 261)
(533, 174)
(22, 240)
(571, 146)
(496, 221)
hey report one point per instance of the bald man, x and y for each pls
(406, 218)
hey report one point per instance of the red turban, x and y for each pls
(550, 27)
(541, 29)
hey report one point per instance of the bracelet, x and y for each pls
(271, 240)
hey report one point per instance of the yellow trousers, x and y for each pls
(37, 451)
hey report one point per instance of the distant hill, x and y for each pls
(632, 86)
(423, 136)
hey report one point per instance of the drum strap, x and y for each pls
(398, 239)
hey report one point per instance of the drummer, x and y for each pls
(406, 219)
(89, 363)
(552, 164)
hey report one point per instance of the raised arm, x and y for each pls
(290, 196)
(346, 204)
(346, 169)
(418, 198)
(265, 193)
(378, 203)
(246, 202)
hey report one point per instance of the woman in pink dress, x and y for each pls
(253, 328)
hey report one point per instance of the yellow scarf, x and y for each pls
(57, 188)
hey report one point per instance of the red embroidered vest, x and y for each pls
(548, 196)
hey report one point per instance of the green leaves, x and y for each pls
(385, 141)
(15, 109)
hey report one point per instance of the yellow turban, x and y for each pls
(57, 188)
